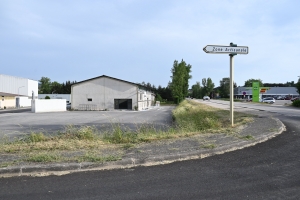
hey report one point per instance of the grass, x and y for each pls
(209, 146)
(247, 137)
(90, 145)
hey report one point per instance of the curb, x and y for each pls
(66, 168)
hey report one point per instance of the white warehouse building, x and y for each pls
(16, 91)
(108, 93)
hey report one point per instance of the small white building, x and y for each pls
(108, 93)
(16, 91)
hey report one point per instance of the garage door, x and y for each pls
(123, 104)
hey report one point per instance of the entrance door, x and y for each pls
(123, 104)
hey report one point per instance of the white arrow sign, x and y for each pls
(226, 49)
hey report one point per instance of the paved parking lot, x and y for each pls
(16, 124)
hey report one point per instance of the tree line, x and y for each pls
(177, 89)
(48, 87)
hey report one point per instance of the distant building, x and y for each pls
(272, 91)
(67, 97)
(108, 93)
(16, 91)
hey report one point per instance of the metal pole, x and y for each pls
(231, 89)
(231, 84)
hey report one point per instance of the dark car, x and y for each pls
(287, 98)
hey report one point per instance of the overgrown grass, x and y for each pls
(209, 146)
(190, 118)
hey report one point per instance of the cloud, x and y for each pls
(134, 38)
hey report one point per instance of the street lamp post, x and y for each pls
(18, 103)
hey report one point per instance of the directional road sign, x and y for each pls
(226, 49)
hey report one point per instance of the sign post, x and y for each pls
(232, 50)
(255, 91)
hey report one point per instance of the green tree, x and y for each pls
(180, 80)
(208, 86)
(224, 87)
(56, 88)
(66, 87)
(249, 82)
(196, 91)
(45, 85)
(298, 86)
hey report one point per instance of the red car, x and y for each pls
(294, 99)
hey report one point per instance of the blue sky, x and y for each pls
(138, 40)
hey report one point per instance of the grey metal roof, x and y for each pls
(271, 91)
(104, 76)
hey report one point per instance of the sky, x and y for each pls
(139, 40)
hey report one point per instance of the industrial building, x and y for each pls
(16, 91)
(108, 93)
(241, 92)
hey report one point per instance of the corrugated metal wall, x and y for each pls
(17, 86)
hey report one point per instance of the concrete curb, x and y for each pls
(66, 168)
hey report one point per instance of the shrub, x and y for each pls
(47, 97)
(36, 137)
(80, 133)
(4, 107)
(296, 103)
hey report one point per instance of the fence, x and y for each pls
(85, 107)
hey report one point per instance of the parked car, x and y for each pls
(287, 98)
(268, 100)
(206, 98)
(280, 98)
(294, 99)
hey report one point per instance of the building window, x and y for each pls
(89, 99)
(141, 96)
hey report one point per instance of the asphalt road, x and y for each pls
(268, 170)
(16, 124)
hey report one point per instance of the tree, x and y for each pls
(298, 86)
(45, 85)
(180, 80)
(196, 91)
(224, 87)
(249, 82)
(56, 88)
(208, 86)
(66, 87)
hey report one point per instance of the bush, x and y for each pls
(296, 103)
(36, 137)
(80, 133)
(47, 97)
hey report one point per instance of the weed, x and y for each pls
(93, 157)
(247, 137)
(209, 146)
(81, 133)
(35, 137)
(127, 146)
(119, 135)
(43, 157)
